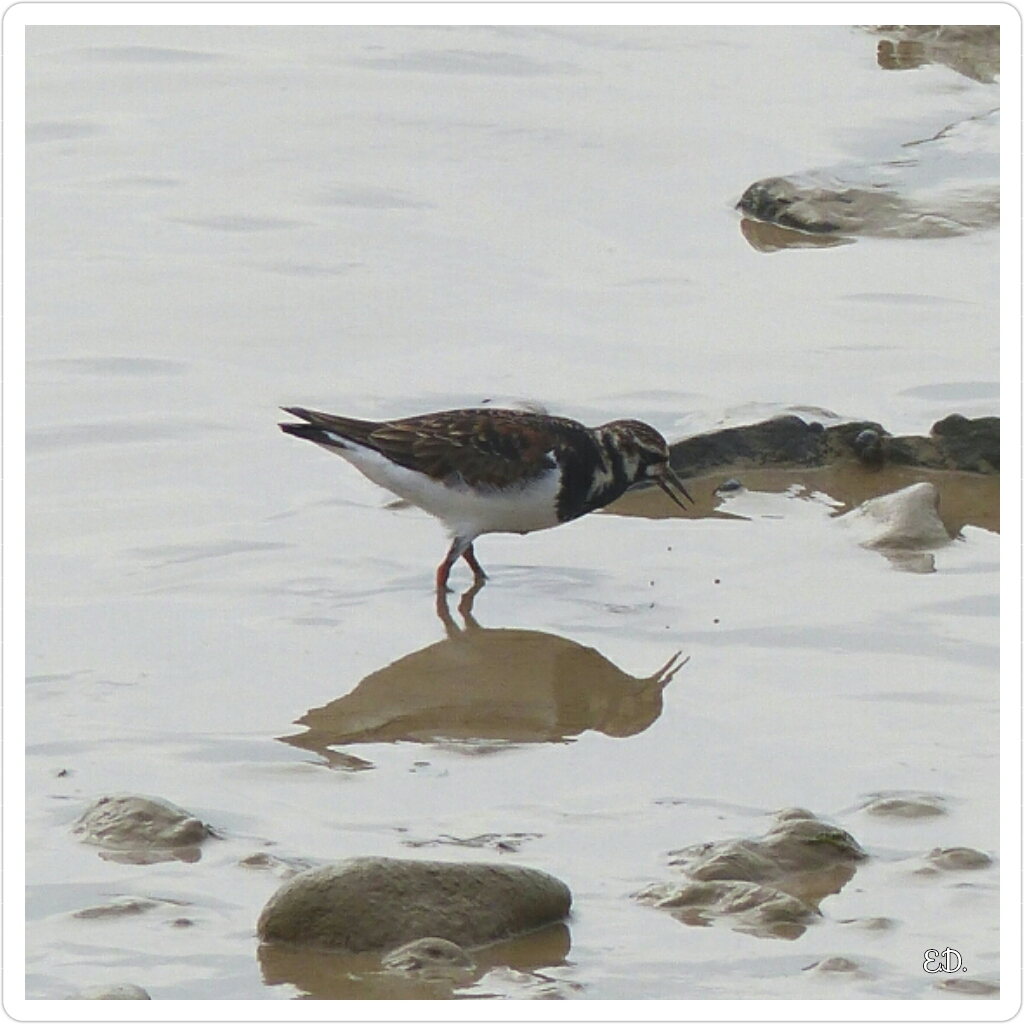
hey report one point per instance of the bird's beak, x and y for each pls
(673, 486)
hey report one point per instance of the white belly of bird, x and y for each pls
(467, 512)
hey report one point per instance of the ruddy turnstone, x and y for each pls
(496, 470)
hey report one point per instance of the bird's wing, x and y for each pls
(493, 447)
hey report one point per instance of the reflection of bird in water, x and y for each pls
(482, 685)
(465, 610)
(496, 470)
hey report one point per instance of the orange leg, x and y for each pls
(442, 575)
(478, 570)
(459, 549)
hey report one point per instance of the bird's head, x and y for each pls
(644, 456)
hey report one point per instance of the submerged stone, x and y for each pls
(754, 909)
(769, 886)
(116, 908)
(969, 986)
(377, 903)
(429, 957)
(958, 858)
(122, 991)
(910, 805)
(871, 924)
(835, 965)
(141, 829)
(794, 845)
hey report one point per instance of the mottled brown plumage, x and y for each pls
(492, 447)
(496, 470)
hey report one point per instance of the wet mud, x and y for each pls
(962, 499)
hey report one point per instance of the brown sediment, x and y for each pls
(965, 499)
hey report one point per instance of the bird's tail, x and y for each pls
(329, 431)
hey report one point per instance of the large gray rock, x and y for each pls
(378, 903)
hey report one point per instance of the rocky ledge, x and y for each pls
(954, 443)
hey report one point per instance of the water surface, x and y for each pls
(382, 221)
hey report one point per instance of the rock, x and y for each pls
(125, 907)
(871, 924)
(958, 858)
(906, 520)
(782, 440)
(752, 909)
(906, 805)
(868, 447)
(122, 991)
(795, 845)
(282, 867)
(429, 958)
(971, 445)
(141, 830)
(969, 986)
(730, 486)
(835, 965)
(818, 203)
(770, 886)
(954, 443)
(377, 903)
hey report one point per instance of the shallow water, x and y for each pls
(388, 221)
